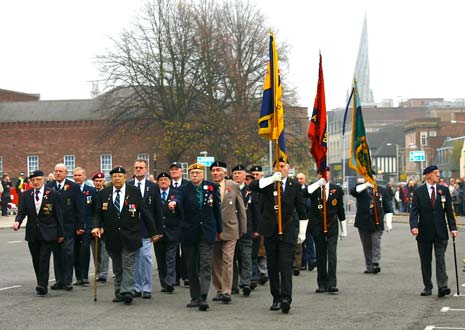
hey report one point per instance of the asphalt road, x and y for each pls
(388, 300)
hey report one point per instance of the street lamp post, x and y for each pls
(397, 159)
(204, 154)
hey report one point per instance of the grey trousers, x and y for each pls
(425, 249)
(199, 268)
(242, 263)
(102, 257)
(124, 269)
(371, 243)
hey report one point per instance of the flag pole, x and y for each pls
(278, 190)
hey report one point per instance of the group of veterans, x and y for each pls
(223, 232)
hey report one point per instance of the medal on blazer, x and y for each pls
(104, 206)
(443, 201)
(132, 209)
(334, 202)
(48, 208)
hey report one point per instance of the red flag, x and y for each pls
(317, 129)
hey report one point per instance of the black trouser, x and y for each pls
(279, 255)
(63, 261)
(326, 257)
(181, 271)
(82, 256)
(198, 258)
(5, 201)
(165, 252)
(425, 250)
(40, 251)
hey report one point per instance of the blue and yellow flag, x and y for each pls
(360, 159)
(271, 121)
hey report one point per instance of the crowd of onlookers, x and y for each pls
(403, 194)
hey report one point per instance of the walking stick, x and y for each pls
(96, 268)
(456, 271)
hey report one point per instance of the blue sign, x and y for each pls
(417, 156)
(206, 161)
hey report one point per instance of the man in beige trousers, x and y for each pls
(234, 225)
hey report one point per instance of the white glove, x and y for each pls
(322, 182)
(343, 232)
(369, 184)
(302, 231)
(388, 221)
(263, 182)
(361, 187)
(315, 185)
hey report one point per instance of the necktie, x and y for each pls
(175, 184)
(117, 202)
(200, 195)
(37, 195)
(433, 196)
(163, 196)
(59, 186)
(138, 186)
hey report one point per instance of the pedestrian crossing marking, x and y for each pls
(10, 287)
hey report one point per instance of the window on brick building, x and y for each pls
(424, 138)
(70, 162)
(106, 164)
(146, 158)
(32, 164)
(1, 164)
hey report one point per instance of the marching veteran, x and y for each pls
(430, 206)
(118, 212)
(44, 228)
(201, 228)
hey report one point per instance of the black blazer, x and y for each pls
(291, 200)
(152, 200)
(170, 222)
(49, 221)
(71, 201)
(89, 206)
(364, 218)
(431, 221)
(252, 210)
(334, 208)
(123, 231)
(200, 221)
(183, 182)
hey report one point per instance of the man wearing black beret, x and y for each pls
(430, 206)
(44, 228)
(119, 210)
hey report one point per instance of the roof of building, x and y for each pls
(57, 110)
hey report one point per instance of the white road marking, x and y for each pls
(446, 309)
(432, 327)
(13, 242)
(10, 287)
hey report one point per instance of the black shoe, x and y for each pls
(246, 290)
(303, 267)
(311, 266)
(186, 283)
(117, 298)
(235, 291)
(85, 282)
(369, 271)
(321, 290)
(57, 287)
(101, 279)
(253, 285)
(226, 298)
(426, 292)
(203, 306)
(376, 268)
(41, 291)
(169, 288)
(137, 294)
(218, 297)
(443, 292)
(127, 298)
(333, 290)
(177, 283)
(285, 306)
(276, 306)
(79, 282)
(68, 288)
(263, 279)
(146, 295)
(193, 303)
(296, 271)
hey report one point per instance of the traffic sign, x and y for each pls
(417, 156)
(206, 161)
